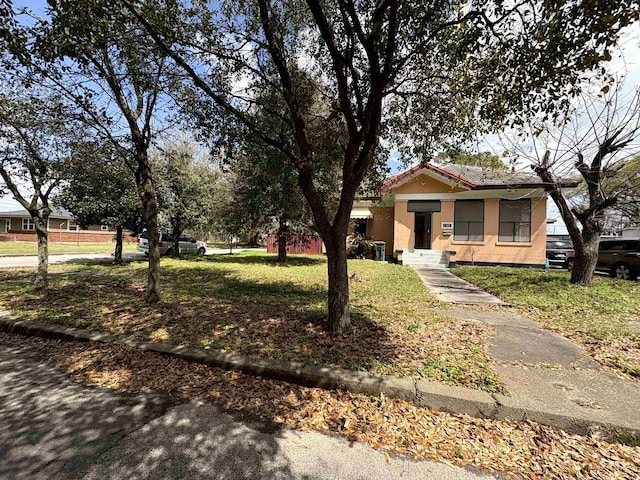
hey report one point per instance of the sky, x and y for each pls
(626, 63)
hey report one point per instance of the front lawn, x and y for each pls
(247, 303)
(31, 248)
(604, 318)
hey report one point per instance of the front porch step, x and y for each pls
(425, 258)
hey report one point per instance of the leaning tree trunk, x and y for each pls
(150, 206)
(282, 240)
(117, 255)
(43, 253)
(338, 299)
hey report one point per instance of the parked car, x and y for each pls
(188, 244)
(620, 258)
(557, 251)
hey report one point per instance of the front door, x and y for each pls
(423, 230)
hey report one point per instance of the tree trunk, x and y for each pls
(175, 250)
(339, 316)
(585, 259)
(150, 205)
(282, 239)
(43, 253)
(117, 255)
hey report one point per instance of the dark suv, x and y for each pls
(619, 257)
(557, 251)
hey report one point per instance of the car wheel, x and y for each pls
(201, 251)
(570, 263)
(622, 271)
(146, 254)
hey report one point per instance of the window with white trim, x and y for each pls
(27, 224)
(104, 228)
(468, 220)
(71, 226)
(7, 225)
(515, 221)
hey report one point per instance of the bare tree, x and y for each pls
(595, 143)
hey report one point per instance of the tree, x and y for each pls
(113, 74)
(186, 196)
(37, 137)
(264, 183)
(598, 140)
(265, 195)
(418, 74)
(99, 189)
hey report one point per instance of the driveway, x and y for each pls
(53, 428)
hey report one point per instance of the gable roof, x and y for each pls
(473, 178)
(56, 212)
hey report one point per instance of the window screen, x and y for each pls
(515, 221)
(468, 220)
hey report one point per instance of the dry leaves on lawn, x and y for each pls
(527, 450)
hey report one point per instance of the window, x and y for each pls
(72, 227)
(469, 220)
(360, 226)
(27, 224)
(7, 225)
(515, 221)
(104, 228)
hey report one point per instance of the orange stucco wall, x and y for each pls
(380, 227)
(489, 250)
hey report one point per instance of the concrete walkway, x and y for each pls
(449, 288)
(549, 378)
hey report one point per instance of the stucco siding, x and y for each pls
(380, 227)
(490, 249)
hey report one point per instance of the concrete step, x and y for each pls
(434, 258)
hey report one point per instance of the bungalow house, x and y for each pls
(17, 225)
(443, 214)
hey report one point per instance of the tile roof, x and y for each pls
(474, 178)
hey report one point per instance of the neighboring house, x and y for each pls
(486, 217)
(630, 232)
(17, 225)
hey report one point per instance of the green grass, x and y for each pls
(248, 303)
(604, 318)
(31, 248)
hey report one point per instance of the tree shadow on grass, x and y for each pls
(263, 259)
(213, 308)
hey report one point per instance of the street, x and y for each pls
(53, 428)
(32, 260)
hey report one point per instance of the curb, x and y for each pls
(422, 393)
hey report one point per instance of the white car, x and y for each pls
(188, 244)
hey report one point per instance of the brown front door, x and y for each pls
(423, 230)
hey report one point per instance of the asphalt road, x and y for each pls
(53, 428)
(32, 260)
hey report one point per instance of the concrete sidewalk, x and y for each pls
(53, 428)
(550, 379)
(449, 288)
